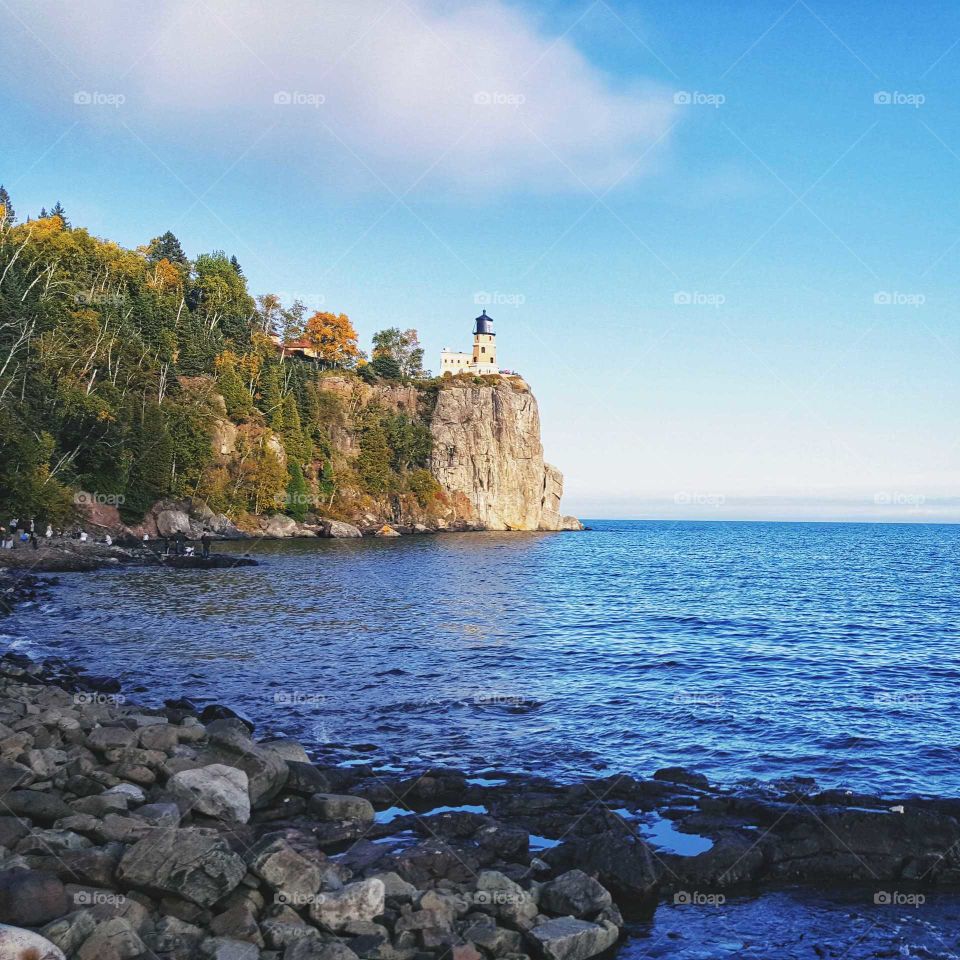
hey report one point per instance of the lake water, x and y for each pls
(738, 649)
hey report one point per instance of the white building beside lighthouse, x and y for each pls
(483, 360)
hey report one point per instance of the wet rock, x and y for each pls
(499, 895)
(621, 862)
(356, 901)
(333, 806)
(31, 898)
(574, 893)
(306, 779)
(682, 775)
(567, 938)
(193, 863)
(286, 749)
(215, 790)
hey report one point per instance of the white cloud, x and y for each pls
(480, 90)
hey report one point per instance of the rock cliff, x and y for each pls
(487, 450)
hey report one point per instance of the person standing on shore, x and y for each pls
(49, 532)
(205, 543)
(33, 540)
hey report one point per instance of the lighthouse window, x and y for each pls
(483, 349)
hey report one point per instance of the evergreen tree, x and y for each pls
(236, 266)
(373, 463)
(8, 213)
(43, 213)
(298, 495)
(383, 365)
(152, 466)
(58, 211)
(167, 247)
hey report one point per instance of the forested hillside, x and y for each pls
(143, 374)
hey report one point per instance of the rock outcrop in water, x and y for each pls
(487, 451)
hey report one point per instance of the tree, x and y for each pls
(334, 339)
(43, 213)
(411, 442)
(373, 463)
(7, 213)
(236, 266)
(167, 247)
(58, 211)
(387, 367)
(402, 346)
(232, 388)
(298, 495)
(152, 466)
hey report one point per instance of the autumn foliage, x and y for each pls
(333, 337)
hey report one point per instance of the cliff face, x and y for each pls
(487, 453)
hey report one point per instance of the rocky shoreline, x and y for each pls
(175, 833)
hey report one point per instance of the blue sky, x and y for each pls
(722, 245)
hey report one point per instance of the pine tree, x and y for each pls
(236, 266)
(167, 247)
(8, 213)
(298, 494)
(151, 469)
(43, 213)
(58, 211)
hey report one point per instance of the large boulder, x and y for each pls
(292, 876)
(114, 939)
(576, 894)
(278, 525)
(172, 522)
(335, 806)
(215, 790)
(266, 771)
(191, 862)
(16, 943)
(338, 529)
(623, 863)
(30, 897)
(567, 938)
(360, 901)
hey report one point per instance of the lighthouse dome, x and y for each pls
(483, 324)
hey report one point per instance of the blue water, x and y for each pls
(738, 649)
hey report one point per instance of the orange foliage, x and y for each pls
(333, 337)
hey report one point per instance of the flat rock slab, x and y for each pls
(567, 938)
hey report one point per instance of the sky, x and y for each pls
(721, 241)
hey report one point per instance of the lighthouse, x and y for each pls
(483, 360)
